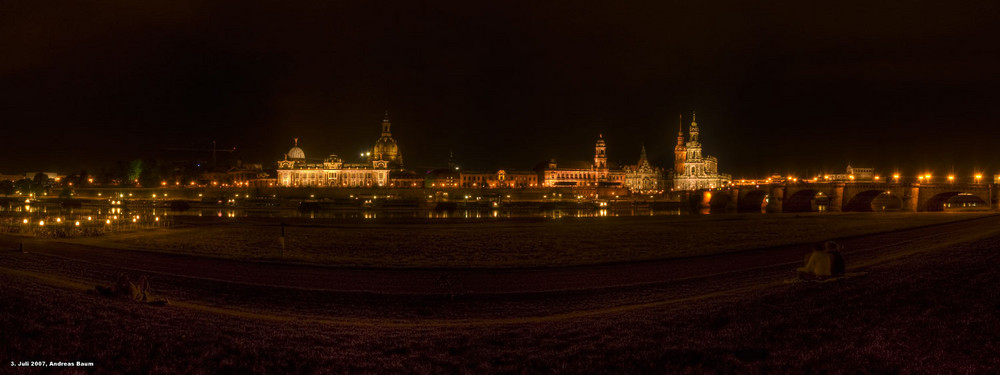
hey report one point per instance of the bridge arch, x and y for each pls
(808, 200)
(874, 200)
(709, 200)
(719, 201)
(955, 200)
(754, 201)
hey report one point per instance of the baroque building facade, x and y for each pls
(692, 170)
(295, 170)
(583, 174)
(643, 177)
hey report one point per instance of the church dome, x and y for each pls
(295, 152)
(385, 147)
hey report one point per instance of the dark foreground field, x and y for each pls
(914, 301)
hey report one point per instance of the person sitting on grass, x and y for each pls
(138, 292)
(824, 261)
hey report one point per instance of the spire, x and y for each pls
(385, 125)
(680, 130)
(694, 128)
(643, 155)
(296, 142)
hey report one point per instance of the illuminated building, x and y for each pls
(385, 148)
(692, 171)
(642, 177)
(852, 174)
(499, 179)
(582, 174)
(296, 170)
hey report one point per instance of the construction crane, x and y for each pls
(214, 150)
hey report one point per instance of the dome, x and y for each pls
(386, 149)
(295, 152)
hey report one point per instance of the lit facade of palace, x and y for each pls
(500, 179)
(692, 171)
(582, 174)
(297, 171)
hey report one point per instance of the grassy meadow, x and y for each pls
(508, 242)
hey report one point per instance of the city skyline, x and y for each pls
(780, 88)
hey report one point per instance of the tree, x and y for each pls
(134, 171)
(24, 186)
(40, 183)
(6, 187)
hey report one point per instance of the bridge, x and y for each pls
(847, 196)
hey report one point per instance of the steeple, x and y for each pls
(385, 125)
(680, 151)
(694, 128)
(680, 130)
(600, 153)
(642, 156)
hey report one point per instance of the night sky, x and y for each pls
(796, 87)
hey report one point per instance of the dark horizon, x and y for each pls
(779, 88)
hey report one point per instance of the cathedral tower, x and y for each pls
(680, 152)
(694, 128)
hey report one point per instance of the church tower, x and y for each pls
(694, 129)
(680, 152)
(693, 146)
(600, 154)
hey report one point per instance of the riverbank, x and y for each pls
(504, 243)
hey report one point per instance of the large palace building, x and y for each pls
(692, 171)
(296, 170)
(641, 177)
(581, 174)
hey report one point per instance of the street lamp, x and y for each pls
(896, 177)
(951, 178)
(979, 178)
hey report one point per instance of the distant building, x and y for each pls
(642, 177)
(296, 170)
(385, 148)
(852, 174)
(692, 171)
(498, 179)
(442, 178)
(584, 174)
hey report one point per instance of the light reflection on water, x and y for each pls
(48, 210)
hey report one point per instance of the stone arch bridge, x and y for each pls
(847, 196)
